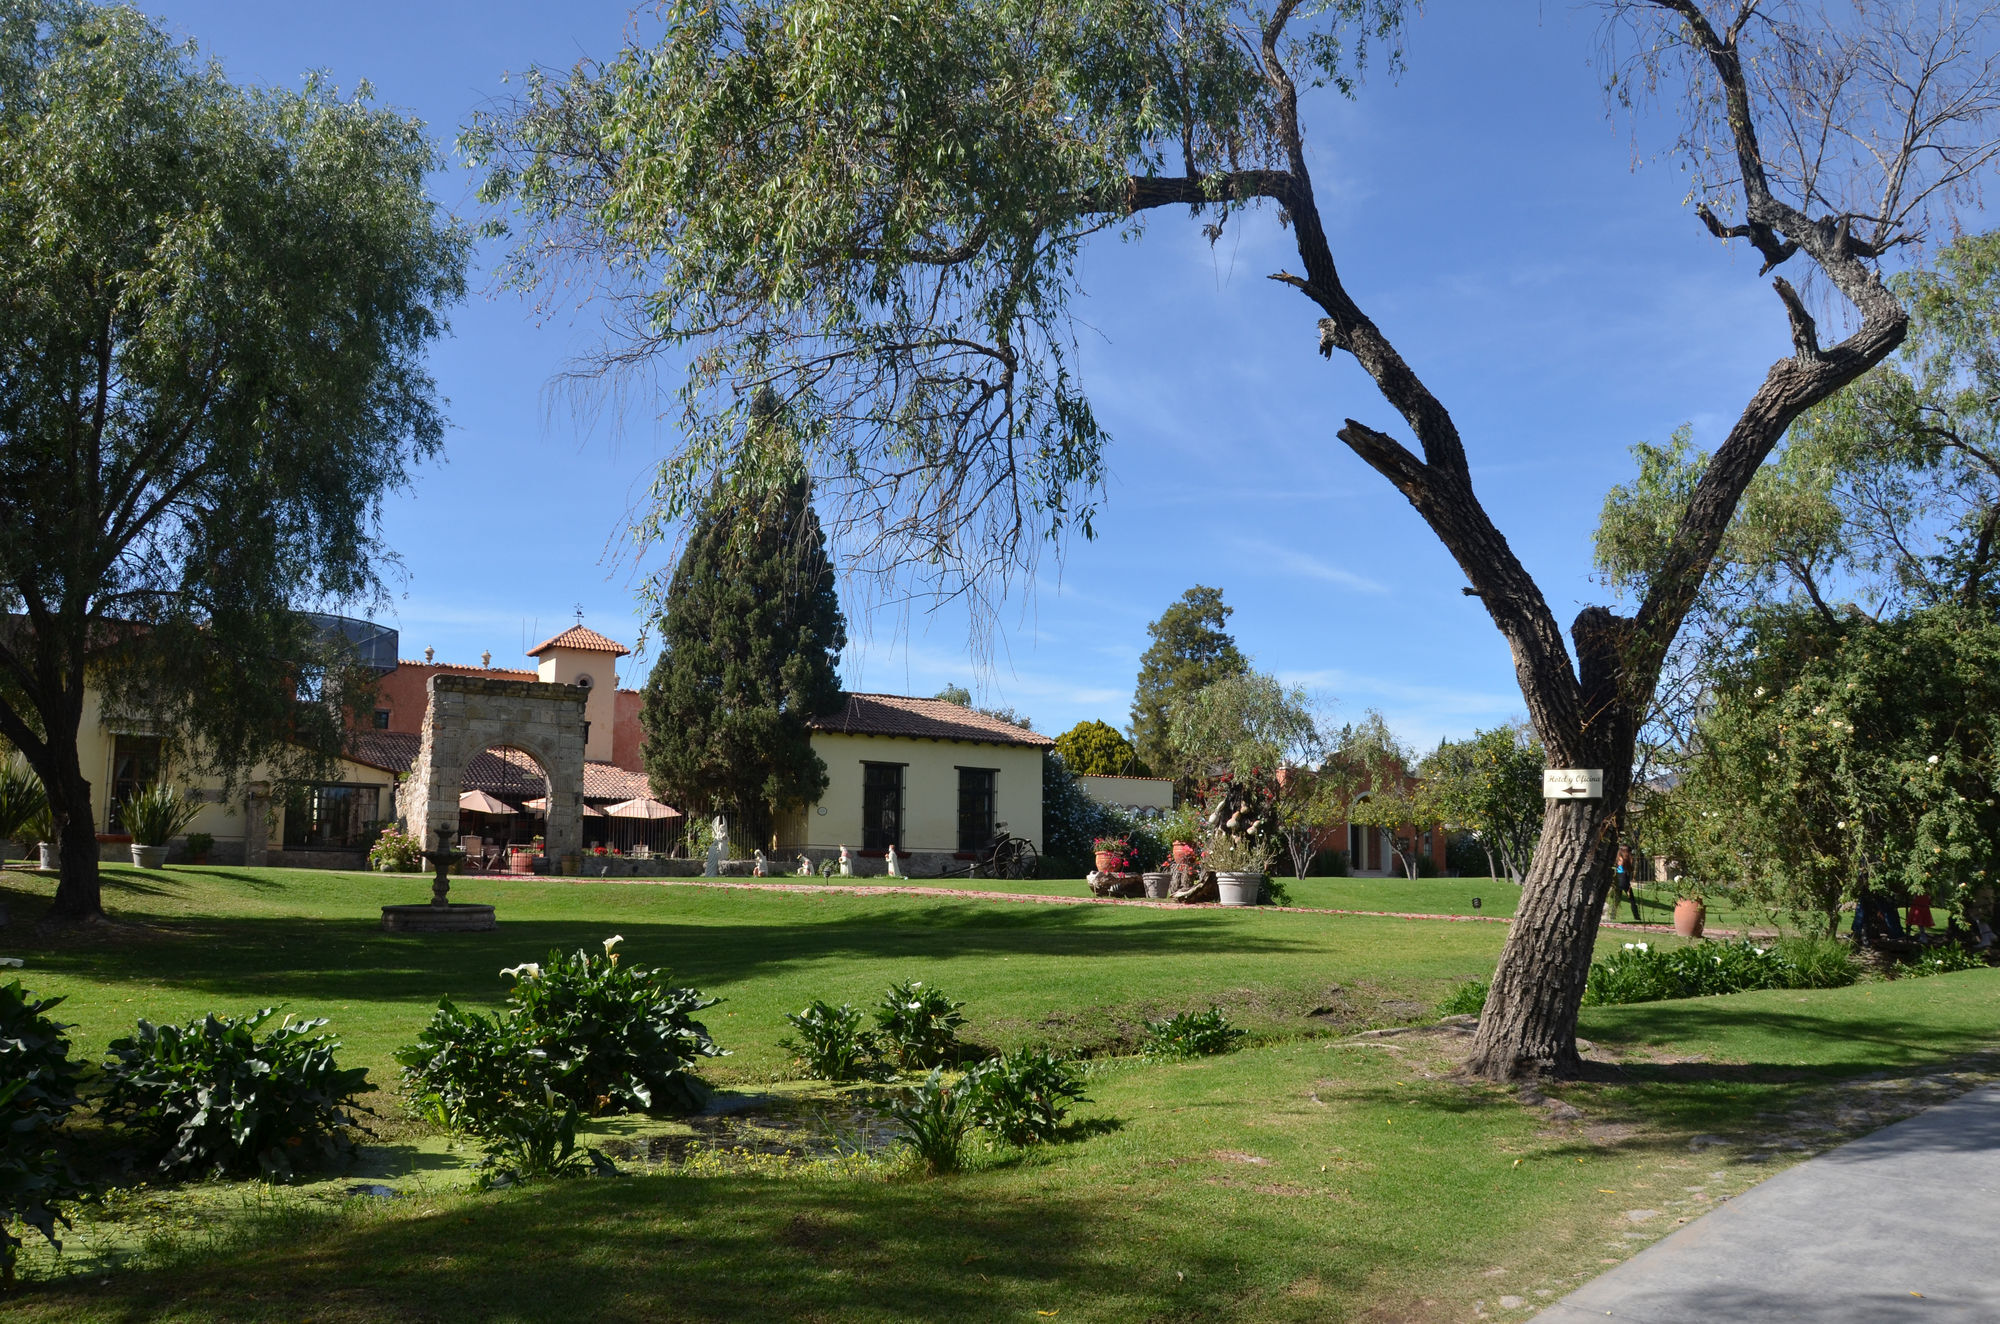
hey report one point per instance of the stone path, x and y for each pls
(1038, 898)
(1897, 1225)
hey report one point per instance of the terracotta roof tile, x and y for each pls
(583, 639)
(927, 719)
(469, 669)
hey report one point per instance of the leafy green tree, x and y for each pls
(1852, 758)
(1490, 785)
(1374, 774)
(1190, 650)
(211, 372)
(750, 639)
(1098, 748)
(962, 696)
(881, 205)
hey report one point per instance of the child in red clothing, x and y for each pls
(1920, 912)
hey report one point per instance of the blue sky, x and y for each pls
(1484, 210)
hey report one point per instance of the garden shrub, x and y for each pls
(1191, 1034)
(919, 1026)
(1467, 999)
(215, 1097)
(604, 1037)
(1641, 972)
(537, 1142)
(831, 1045)
(1023, 1096)
(467, 1070)
(936, 1114)
(398, 852)
(37, 1094)
(1946, 959)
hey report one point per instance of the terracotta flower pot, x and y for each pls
(1183, 853)
(1689, 915)
(1108, 861)
(521, 861)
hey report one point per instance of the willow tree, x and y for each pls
(876, 207)
(217, 301)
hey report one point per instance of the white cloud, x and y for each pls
(1299, 563)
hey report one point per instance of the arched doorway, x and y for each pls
(469, 717)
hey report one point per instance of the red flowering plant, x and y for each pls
(1120, 848)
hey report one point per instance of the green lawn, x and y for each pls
(1312, 1175)
(1497, 897)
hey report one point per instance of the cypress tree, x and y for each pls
(750, 635)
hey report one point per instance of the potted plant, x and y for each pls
(1240, 864)
(1690, 910)
(22, 801)
(1111, 853)
(155, 815)
(521, 859)
(199, 844)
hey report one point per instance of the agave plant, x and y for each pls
(156, 814)
(24, 805)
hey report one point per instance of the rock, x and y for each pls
(1641, 1215)
(1511, 1303)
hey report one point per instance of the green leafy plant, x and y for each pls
(468, 1070)
(199, 844)
(1191, 1034)
(216, 1097)
(1948, 958)
(604, 1037)
(23, 803)
(830, 1044)
(1466, 999)
(156, 814)
(919, 1026)
(37, 1093)
(399, 852)
(1641, 972)
(1023, 1096)
(538, 1143)
(935, 1115)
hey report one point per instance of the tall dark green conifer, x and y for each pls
(749, 640)
(1190, 650)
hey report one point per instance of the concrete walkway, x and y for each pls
(1901, 1224)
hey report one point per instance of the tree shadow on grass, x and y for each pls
(683, 1248)
(288, 957)
(1882, 1039)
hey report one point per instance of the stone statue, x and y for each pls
(758, 869)
(805, 867)
(718, 835)
(895, 867)
(846, 864)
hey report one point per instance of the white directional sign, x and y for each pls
(1572, 783)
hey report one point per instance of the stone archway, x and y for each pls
(466, 714)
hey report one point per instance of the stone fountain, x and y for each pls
(440, 915)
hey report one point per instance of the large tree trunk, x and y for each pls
(1529, 1025)
(79, 896)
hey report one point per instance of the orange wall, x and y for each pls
(405, 691)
